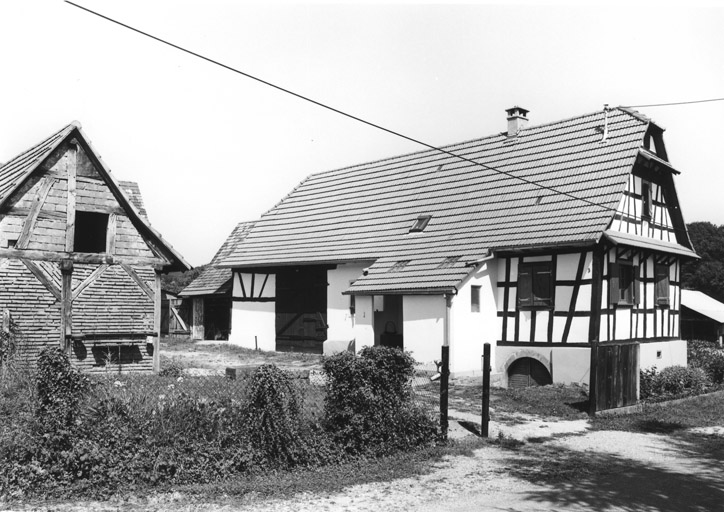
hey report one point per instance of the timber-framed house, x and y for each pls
(80, 264)
(543, 241)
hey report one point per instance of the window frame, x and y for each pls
(646, 203)
(530, 276)
(475, 298)
(624, 295)
(84, 221)
(662, 299)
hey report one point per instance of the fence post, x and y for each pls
(485, 417)
(444, 375)
(593, 379)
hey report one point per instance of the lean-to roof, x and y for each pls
(572, 181)
(214, 280)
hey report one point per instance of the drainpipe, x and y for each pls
(475, 263)
(445, 368)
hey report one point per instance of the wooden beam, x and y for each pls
(140, 282)
(66, 305)
(81, 257)
(88, 280)
(157, 324)
(111, 233)
(71, 170)
(42, 215)
(197, 318)
(32, 218)
(43, 278)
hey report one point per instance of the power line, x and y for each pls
(675, 103)
(323, 105)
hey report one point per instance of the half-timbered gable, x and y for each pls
(541, 240)
(79, 263)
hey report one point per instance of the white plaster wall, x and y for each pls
(424, 326)
(253, 320)
(339, 317)
(364, 334)
(470, 330)
(673, 353)
(253, 324)
(567, 365)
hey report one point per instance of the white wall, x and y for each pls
(339, 318)
(253, 324)
(470, 330)
(424, 326)
(364, 334)
(673, 353)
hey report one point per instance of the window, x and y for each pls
(645, 200)
(623, 283)
(535, 284)
(420, 223)
(90, 232)
(475, 299)
(661, 286)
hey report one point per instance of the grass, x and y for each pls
(557, 402)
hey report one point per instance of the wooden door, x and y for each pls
(301, 309)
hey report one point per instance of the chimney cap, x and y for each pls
(517, 111)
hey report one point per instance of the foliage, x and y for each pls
(60, 388)
(709, 357)
(707, 273)
(8, 342)
(171, 368)
(174, 282)
(673, 381)
(368, 406)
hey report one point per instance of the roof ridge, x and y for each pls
(43, 141)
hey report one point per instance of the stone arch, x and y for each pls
(519, 354)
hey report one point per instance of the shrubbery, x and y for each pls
(709, 357)
(91, 437)
(368, 407)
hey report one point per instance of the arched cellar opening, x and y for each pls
(526, 372)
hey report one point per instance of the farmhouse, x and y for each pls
(210, 293)
(539, 240)
(80, 264)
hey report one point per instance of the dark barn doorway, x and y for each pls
(301, 309)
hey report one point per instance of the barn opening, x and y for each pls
(526, 372)
(301, 309)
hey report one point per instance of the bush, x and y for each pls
(368, 406)
(673, 381)
(709, 357)
(60, 389)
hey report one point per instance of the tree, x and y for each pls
(706, 274)
(174, 282)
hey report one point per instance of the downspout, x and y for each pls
(477, 262)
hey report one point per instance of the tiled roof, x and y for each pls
(365, 212)
(133, 192)
(214, 280)
(17, 170)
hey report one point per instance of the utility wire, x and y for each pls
(320, 104)
(675, 103)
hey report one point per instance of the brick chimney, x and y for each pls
(517, 120)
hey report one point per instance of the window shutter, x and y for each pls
(636, 285)
(613, 290)
(525, 285)
(662, 285)
(542, 283)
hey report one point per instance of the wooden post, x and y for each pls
(593, 379)
(66, 305)
(485, 417)
(444, 376)
(197, 318)
(71, 170)
(157, 323)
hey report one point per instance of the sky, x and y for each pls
(210, 148)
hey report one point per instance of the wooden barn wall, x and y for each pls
(113, 306)
(35, 310)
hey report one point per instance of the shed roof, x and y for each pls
(16, 171)
(703, 304)
(553, 184)
(214, 280)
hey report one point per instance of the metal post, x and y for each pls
(444, 375)
(485, 417)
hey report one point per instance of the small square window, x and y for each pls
(475, 299)
(90, 232)
(12, 243)
(420, 223)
